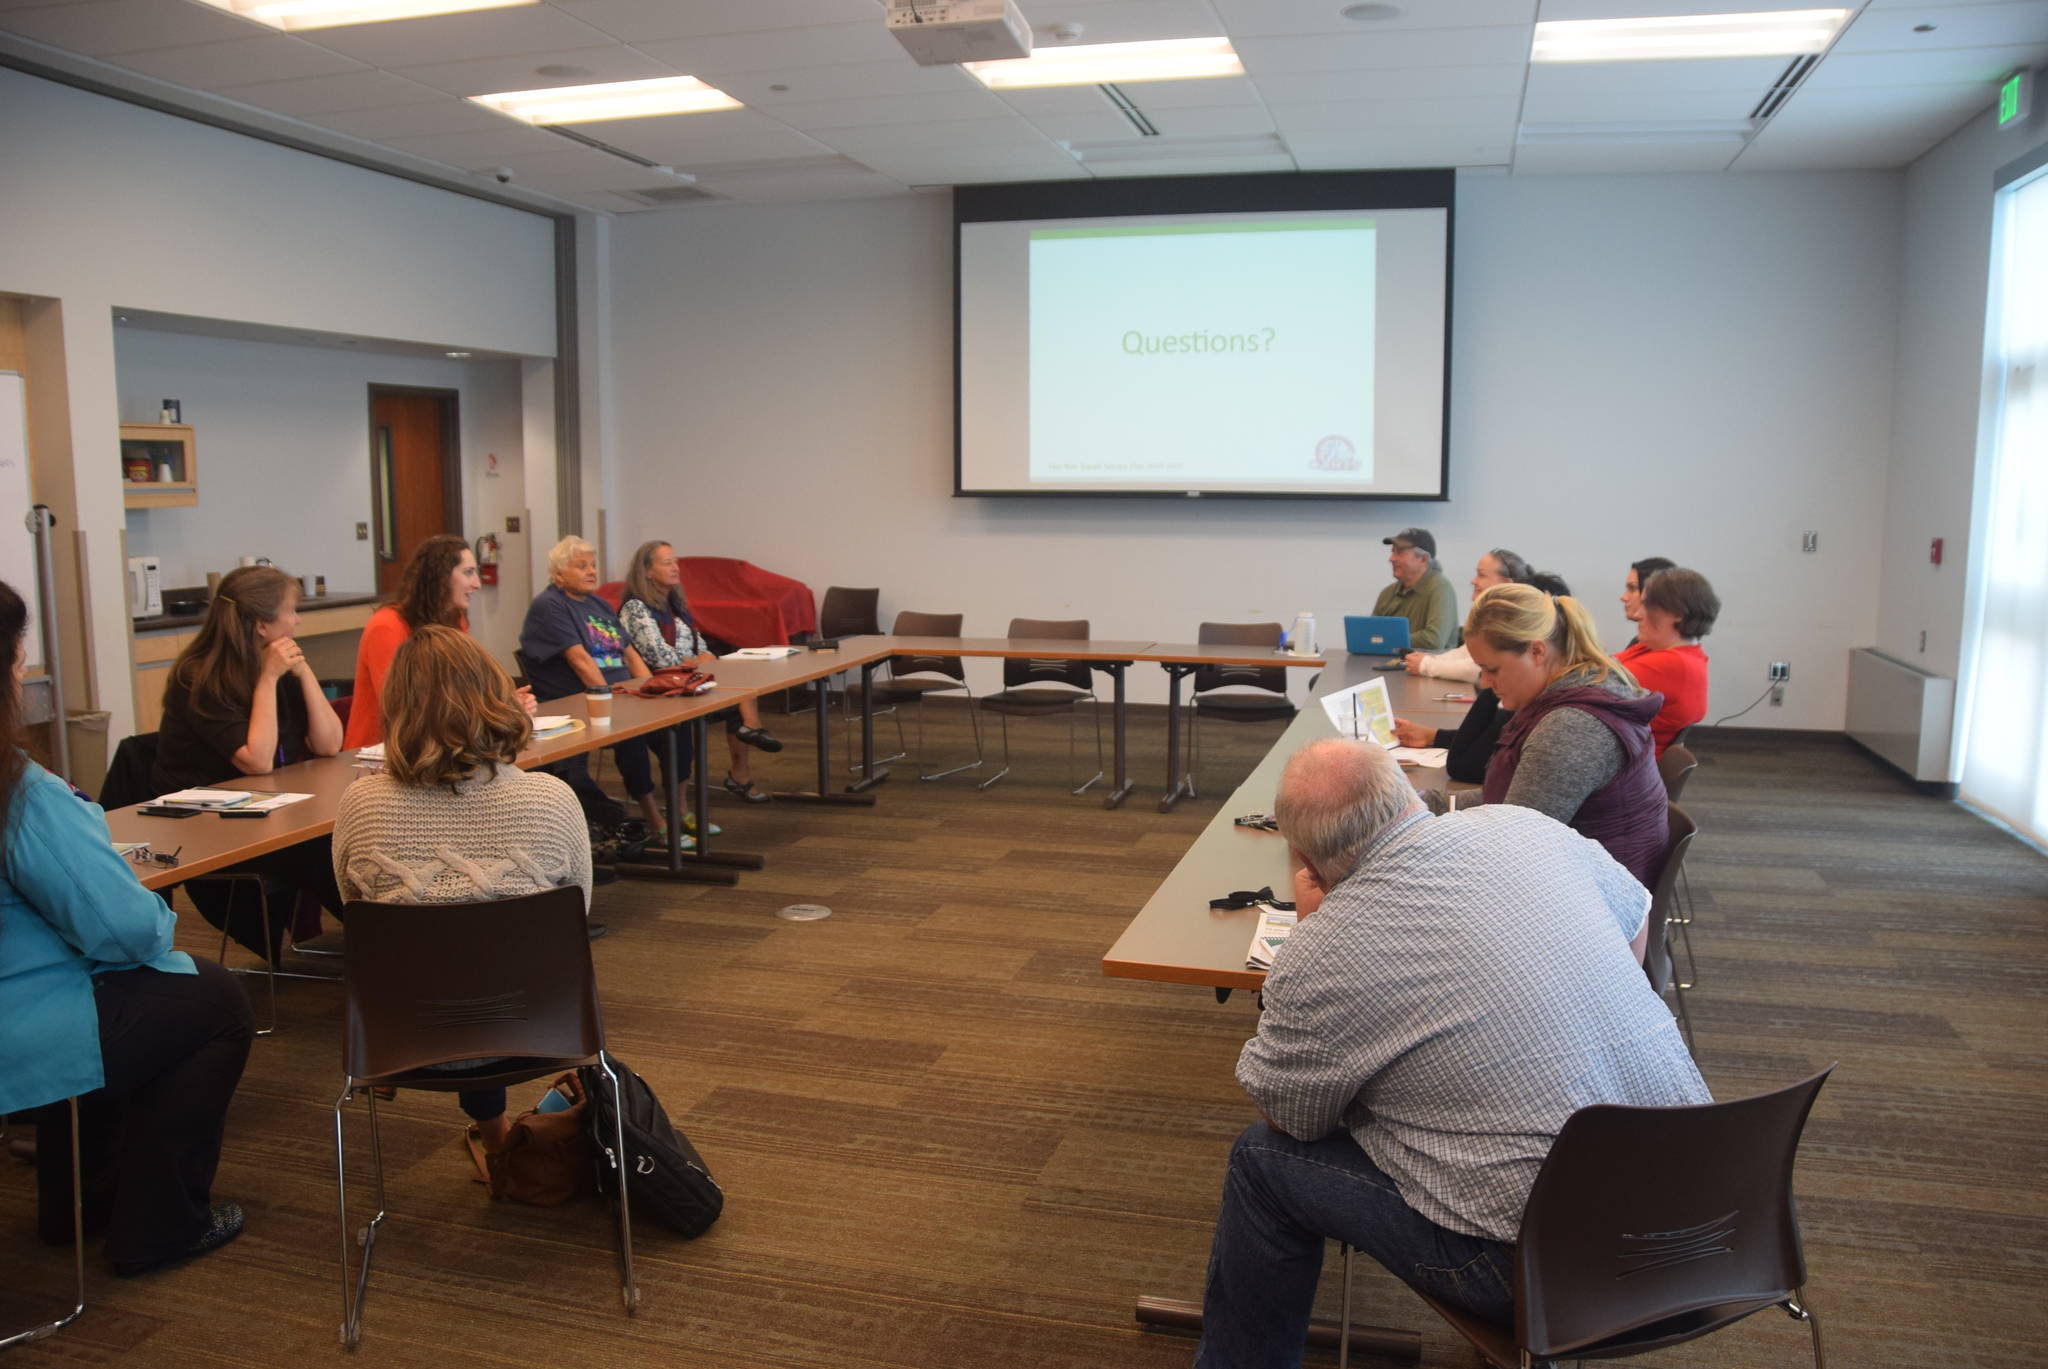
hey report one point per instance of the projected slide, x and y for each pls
(1211, 354)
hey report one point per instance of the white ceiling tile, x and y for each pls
(1056, 100)
(847, 81)
(108, 27)
(1203, 94)
(446, 115)
(478, 149)
(1438, 148)
(1844, 71)
(1472, 47)
(1612, 158)
(1670, 106)
(351, 90)
(1246, 165)
(574, 169)
(954, 135)
(689, 141)
(1269, 18)
(1827, 154)
(1171, 123)
(1393, 83)
(632, 21)
(1551, 10)
(772, 186)
(490, 75)
(1960, 26)
(934, 166)
(1918, 4)
(810, 115)
(1123, 21)
(209, 66)
(1342, 116)
(777, 49)
(1899, 114)
(605, 202)
(461, 37)
(6, 5)
(1754, 75)
(1101, 126)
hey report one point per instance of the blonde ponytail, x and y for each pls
(1513, 618)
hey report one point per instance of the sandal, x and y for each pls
(746, 793)
(758, 737)
(690, 825)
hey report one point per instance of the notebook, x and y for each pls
(1375, 636)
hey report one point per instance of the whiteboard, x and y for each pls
(17, 543)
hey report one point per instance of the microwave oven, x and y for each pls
(145, 587)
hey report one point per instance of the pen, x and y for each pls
(1354, 717)
(1454, 698)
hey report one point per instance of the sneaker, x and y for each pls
(226, 1224)
(758, 737)
(690, 825)
(746, 793)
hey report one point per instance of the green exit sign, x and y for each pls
(2014, 98)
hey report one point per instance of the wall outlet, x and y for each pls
(1781, 670)
(1777, 695)
(512, 523)
(362, 532)
(1810, 542)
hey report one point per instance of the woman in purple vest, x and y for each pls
(1579, 746)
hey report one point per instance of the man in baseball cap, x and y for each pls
(1420, 593)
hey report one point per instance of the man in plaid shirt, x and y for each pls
(1457, 987)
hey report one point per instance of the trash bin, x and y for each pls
(88, 737)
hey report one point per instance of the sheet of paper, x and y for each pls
(1429, 757)
(1275, 926)
(551, 722)
(1362, 712)
(373, 753)
(206, 798)
(124, 848)
(760, 653)
(267, 802)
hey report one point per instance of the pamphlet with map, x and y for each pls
(1362, 712)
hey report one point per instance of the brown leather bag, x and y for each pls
(548, 1161)
(680, 679)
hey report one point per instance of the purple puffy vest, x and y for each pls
(1626, 815)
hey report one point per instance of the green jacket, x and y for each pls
(1431, 609)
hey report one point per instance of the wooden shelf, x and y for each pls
(157, 443)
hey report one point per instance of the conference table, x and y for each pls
(1178, 938)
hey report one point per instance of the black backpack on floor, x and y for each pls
(670, 1181)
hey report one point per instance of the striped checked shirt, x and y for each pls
(1467, 988)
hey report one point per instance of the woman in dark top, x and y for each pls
(241, 700)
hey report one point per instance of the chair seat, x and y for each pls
(907, 691)
(1495, 1344)
(1672, 1330)
(518, 1070)
(1030, 703)
(1244, 708)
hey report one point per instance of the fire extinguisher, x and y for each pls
(487, 558)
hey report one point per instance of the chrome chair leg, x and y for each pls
(1344, 1315)
(1073, 723)
(51, 1328)
(263, 911)
(923, 750)
(355, 1289)
(1800, 1308)
(1006, 754)
(629, 1287)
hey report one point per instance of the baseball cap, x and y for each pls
(1413, 537)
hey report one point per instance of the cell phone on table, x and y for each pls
(1395, 664)
(157, 810)
(245, 812)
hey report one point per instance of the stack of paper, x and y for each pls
(760, 653)
(548, 724)
(206, 798)
(1275, 926)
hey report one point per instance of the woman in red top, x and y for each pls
(435, 587)
(1678, 608)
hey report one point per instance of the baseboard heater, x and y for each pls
(1901, 713)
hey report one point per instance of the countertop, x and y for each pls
(170, 622)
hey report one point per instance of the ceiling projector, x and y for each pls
(946, 32)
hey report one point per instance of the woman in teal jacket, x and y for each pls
(95, 1004)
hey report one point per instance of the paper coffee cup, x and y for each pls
(598, 703)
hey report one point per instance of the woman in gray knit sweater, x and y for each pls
(451, 819)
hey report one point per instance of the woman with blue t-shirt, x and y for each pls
(95, 1005)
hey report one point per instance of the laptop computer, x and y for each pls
(1375, 636)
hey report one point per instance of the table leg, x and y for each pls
(1121, 788)
(699, 866)
(870, 774)
(1403, 1347)
(822, 690)
(1179, 785)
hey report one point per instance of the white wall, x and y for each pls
(283, 446)
(107, 204)
(1689, 366)
(1941, 403)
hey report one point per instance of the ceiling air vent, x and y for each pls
(660, 196)
(1782, 88)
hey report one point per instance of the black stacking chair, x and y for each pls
(1041, 687)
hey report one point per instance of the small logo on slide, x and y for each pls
(1335, 453)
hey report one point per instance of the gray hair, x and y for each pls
(566, 551)
(1337, 795)
(1514, 567)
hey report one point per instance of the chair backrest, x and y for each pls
(909, 624)
(1268, 635)
(1663, 897)
(613, 592)
(429, 983)
(851, 612)
(1641, 1214)
(128, 779)
(1022, 670)
(1676, 766)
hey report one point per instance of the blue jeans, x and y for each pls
(1282, 1198)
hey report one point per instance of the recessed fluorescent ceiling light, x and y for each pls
(1780, 33)
(320, 14)
(611, 100)
(1091, 64)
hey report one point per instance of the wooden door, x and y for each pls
(414, 480)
